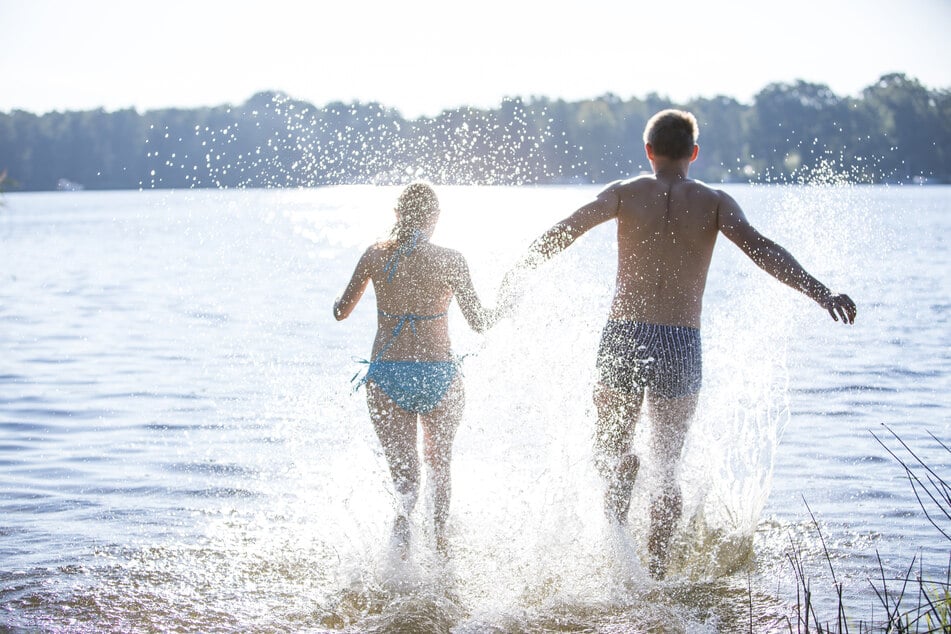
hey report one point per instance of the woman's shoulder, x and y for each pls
(445, 254)
(380, 248)
(375, 254)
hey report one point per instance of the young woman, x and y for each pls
(413, 376)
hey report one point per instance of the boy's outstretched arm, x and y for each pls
(780, 263)
(558, 238)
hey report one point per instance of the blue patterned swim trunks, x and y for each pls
(666, 360)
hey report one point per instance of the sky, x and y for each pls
(427, 56)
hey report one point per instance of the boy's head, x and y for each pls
(672, 134)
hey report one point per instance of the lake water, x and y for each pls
(181, 449)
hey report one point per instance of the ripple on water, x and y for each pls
(33, 432)
(861, 460)
(213, 468)
(13, 447)
(222, 492)
(843, 389)
(51, 360)
(146, 394)
(164, 427)
(54, 413)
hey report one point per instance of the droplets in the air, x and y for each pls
(275, 141)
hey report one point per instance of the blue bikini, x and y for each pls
(416, 386)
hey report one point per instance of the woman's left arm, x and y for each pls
(354, 291)
(479, 318)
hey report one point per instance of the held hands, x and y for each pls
(509, 292)
(840, 307)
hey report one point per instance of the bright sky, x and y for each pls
(425, 56)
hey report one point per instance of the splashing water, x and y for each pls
(189, 455)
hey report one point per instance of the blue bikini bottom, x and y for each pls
(416, 386)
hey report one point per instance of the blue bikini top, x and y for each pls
(404, 250)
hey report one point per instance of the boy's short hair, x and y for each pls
(672, 133)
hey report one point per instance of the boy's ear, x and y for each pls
(696, 151)
(649, 150)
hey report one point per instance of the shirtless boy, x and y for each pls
(667, 225)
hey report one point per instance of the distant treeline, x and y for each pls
(896, 131)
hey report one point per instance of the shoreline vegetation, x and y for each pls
(895, 131)
(911, 602)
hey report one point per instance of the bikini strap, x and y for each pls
(402, 320)
(405, 249)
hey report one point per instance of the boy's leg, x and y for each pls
(670, 420)
(618, 412)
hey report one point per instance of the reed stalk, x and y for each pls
(912, 603)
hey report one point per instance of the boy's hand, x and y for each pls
(509, 291)
(840, 307)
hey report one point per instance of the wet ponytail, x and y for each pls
(415, 207)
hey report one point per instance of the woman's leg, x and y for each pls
(396, 429)
(439, 429)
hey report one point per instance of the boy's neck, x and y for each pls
(668, 169)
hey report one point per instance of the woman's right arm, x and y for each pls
(354, 291)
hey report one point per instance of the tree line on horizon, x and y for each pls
(896, 130)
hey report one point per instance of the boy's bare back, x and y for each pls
(666, 230)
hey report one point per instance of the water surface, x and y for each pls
(180, 447)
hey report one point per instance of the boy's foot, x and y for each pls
(401, 535)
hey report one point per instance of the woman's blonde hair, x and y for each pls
(415, 208)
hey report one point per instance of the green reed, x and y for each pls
(913, 604)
